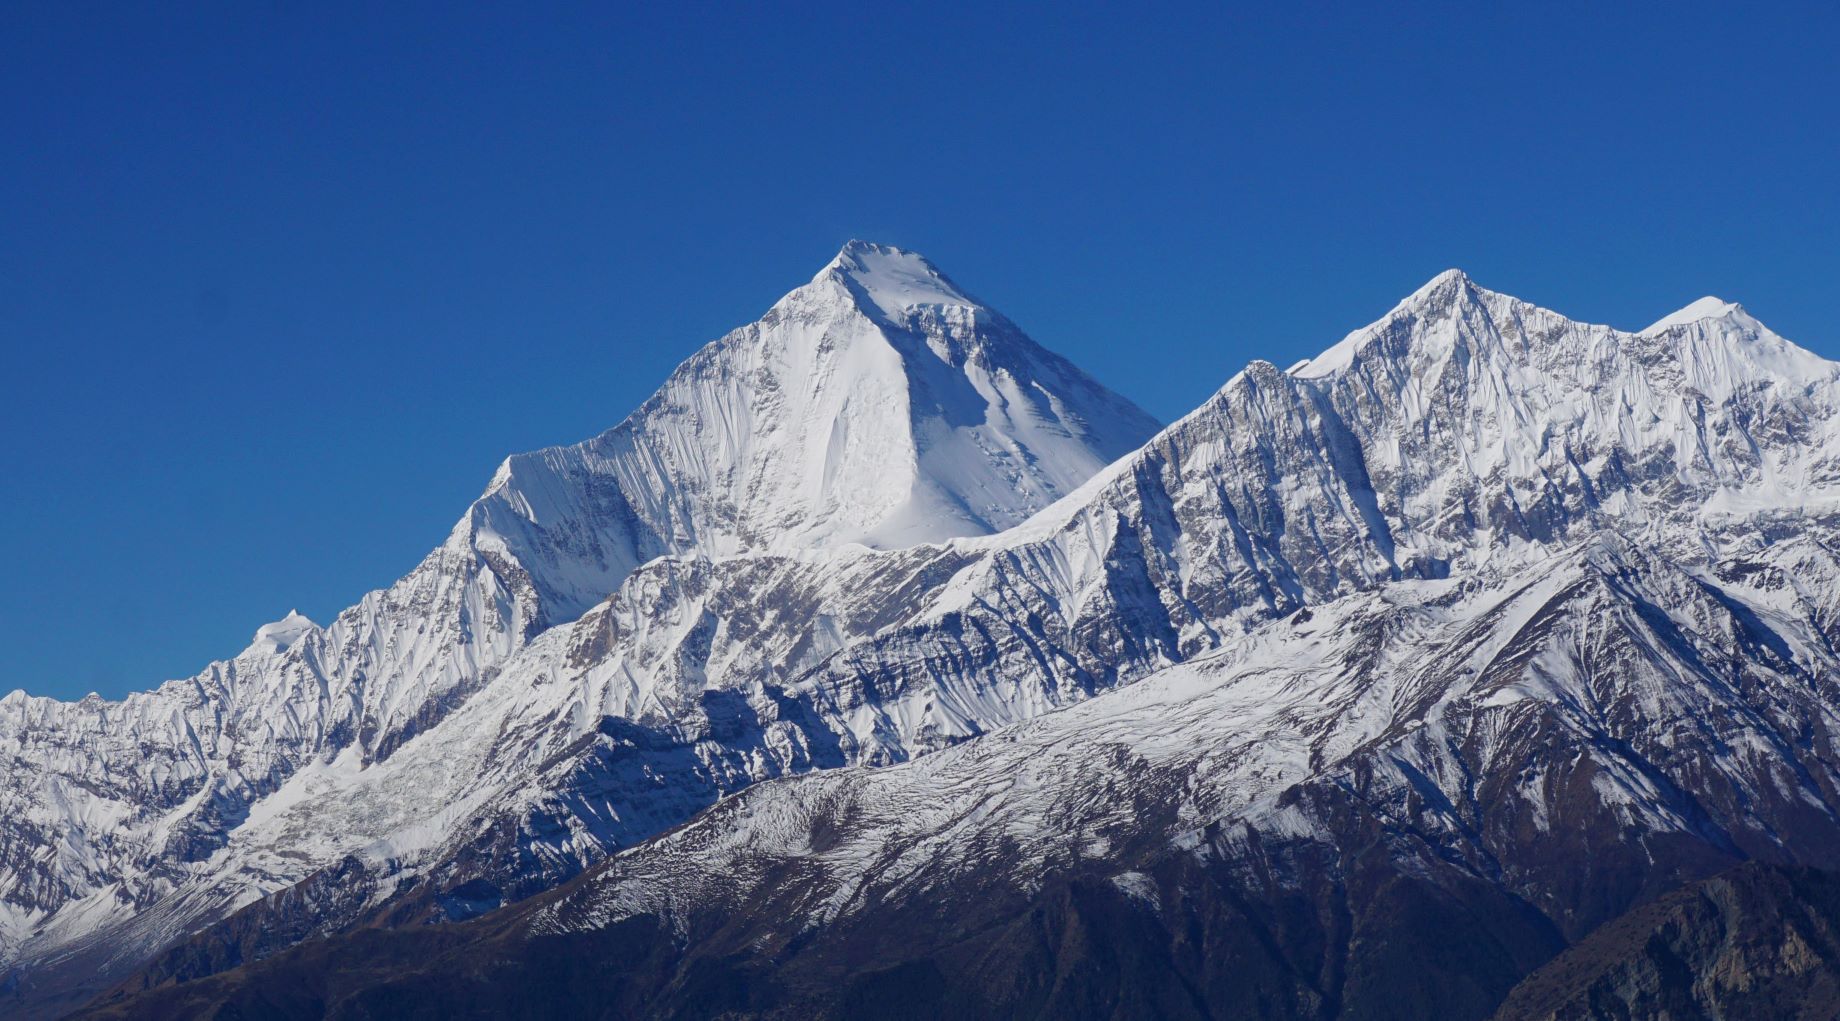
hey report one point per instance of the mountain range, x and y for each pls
(884, 664)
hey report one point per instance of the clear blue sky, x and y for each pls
(281, 283)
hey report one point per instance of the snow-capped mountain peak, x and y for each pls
(877, 405)
(742, 581)
(278, 636)
(1438, 296)
(892, 280)
(1439, 292)
(1504, 346)
(1708, 307)
(1450, 277)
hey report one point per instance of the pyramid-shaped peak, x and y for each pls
(858, 255)
(1449, 282)
(876, 404)
(892, 279)
(1434, 299)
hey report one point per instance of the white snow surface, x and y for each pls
(1395, 692)
(278, 636)
(1708, 307)
(880, 523)
(875, 406)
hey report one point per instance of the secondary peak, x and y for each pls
(1708, 307)
(278, 636)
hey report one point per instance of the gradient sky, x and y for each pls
(280, 284)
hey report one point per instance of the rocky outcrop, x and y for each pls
(1758, 942)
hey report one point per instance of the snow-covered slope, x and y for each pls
(876, 405)
(276, 637)
(1394, 804)
(1465, 449)
(1600, 692)
(1466, 435)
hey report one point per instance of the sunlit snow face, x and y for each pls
(737, 583)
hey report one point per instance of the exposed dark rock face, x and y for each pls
(1757, 942)
(1361, 691)
(1213, 946)
(1143, 855)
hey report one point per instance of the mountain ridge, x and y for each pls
(1460, 442)
(1157, 829)
(554, 532)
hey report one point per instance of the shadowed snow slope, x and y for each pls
(876, 405)
(1396, 804)
(1436, 613)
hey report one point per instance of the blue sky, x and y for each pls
(280, 284)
